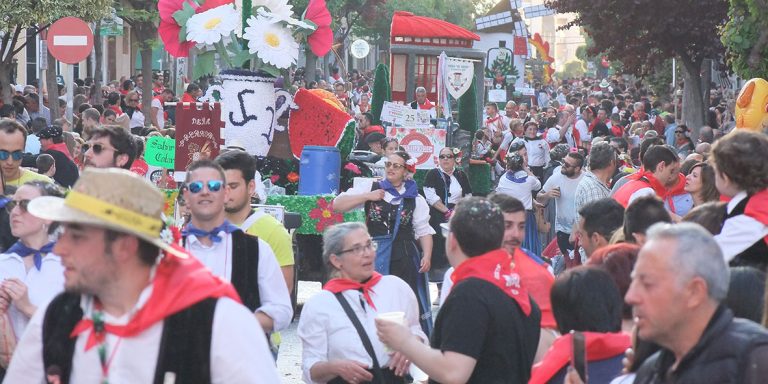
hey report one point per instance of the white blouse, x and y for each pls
(326, 332)
(521, 191)
(42, 285)
(421, 225)
(455, 192)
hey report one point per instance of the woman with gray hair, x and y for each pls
(337, 328)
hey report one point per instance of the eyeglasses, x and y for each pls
(97, 148)
(15, 155)
(389, 164)
(358, 250)
(443, 157)
(13, 203)
(213, 186)
(566, 165)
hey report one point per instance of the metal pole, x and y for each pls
(70, 91)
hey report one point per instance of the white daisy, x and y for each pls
(209, 27)
(289, 20)
(278, 7)
(271, 42)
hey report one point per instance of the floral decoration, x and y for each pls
(292, 177)
(324, 214)
(269, 41)
(281, 172)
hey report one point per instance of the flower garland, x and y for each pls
(281, 172)
(325, 215)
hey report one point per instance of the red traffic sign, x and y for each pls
(70, 40)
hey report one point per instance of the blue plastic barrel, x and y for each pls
(319, 170)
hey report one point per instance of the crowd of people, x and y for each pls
(609, 222)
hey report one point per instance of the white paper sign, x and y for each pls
(458, 75)
(497, 95)
(404, 115)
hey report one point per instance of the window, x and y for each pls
(426, 73)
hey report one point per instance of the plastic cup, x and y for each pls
(395, 317)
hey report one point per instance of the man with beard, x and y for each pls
(562, 188)
(13, 136)
(109, 146)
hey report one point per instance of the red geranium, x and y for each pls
(169, 30)
(292, 177)
(325, 215)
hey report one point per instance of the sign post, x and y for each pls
(70, 41)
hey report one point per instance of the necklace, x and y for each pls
(100, 332)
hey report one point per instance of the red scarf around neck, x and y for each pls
(340, 285)
(179, 283)
(495, 267)
(599, 346)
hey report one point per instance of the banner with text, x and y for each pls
(198, 134)
(458, 75)
(423, 144)
(404, 116)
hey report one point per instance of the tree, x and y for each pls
(143, 17)
(650, 31)
(572, 69)
(381, 92)
(30, 17)
(468, 119)
(745, 37)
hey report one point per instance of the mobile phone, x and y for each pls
(579, 355)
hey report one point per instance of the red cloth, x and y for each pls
(187, 98)
(427, 105)
(757, 207)
(158, 90)
(178, 284)
(617, 130)
(644, 179)
(140, 167)
(537, 279)
(495, 267)
(117, 109)
(341, 285)
(61, 147)
(598, 346)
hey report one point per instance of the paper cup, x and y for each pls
(396, 317)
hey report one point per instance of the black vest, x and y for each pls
(720, 356)
(184, 347)
(380, 217)
(245, 268)
(757, 254)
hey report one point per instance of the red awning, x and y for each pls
(406, 24)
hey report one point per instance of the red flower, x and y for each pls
(274, 178)
(319, 41)
(325, 215)
(352, 167)
(169, 30)
(292, 177)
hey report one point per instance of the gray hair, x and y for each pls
(333, 240)
(421, 89)
(696, 254)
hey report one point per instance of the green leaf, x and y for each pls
(270, 69)
(181, 16)
(239, 59)
(204, 64)
(183, 34)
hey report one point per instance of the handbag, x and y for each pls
(384, 245)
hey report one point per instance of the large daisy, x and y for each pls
(278, 7)
(208, 27)
(289, 20)
(271, 42)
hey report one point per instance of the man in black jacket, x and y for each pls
(678, 284)
(52, 143)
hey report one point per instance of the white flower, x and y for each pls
(271, 42)
(288, 20)
(278, 7)
(209, 27)
(411, 161)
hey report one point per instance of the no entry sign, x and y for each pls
(70, 40)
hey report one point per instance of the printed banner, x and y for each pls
(458, 75)
(160, 152)
(404, 115)
(423, 144)
(198, 133)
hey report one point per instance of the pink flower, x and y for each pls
(325, 215)
(352, 167)
(274, 178)
(321, 40)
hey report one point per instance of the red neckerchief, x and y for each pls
(495, 267)
(592, 125)
(599, 346)
(178, 284)
(491, 120)
(117, 109)
(757, 207)
(187, 98)
(61, 147)
(340, 285)
(427, 104)
(654, 183)
(538, 281)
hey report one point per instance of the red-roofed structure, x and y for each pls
(416, 43)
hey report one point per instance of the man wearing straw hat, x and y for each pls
(136, 309)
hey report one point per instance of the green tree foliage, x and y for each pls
(572, 69)
(143, 17)
(30, 17)
(644, 33)
(381, 92)
(745, 37)
(468, 119)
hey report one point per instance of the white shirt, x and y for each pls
(160, 112)
(137, 119)
(538, 152)
(454, 194)
(583, 128)
(239, 351)
(565, 205)
(42, 285)
(739, 232)
(553, 135)
(273, 293)
(326, 332)
(421, 225)
(521, 191)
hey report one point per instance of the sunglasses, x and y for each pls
(15, 155)
(390, 164)
(13, 203)
(97, 148)
(443, 157)
(213, 186)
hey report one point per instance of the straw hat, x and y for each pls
(112, 198)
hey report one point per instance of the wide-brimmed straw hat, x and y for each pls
(112, 198)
